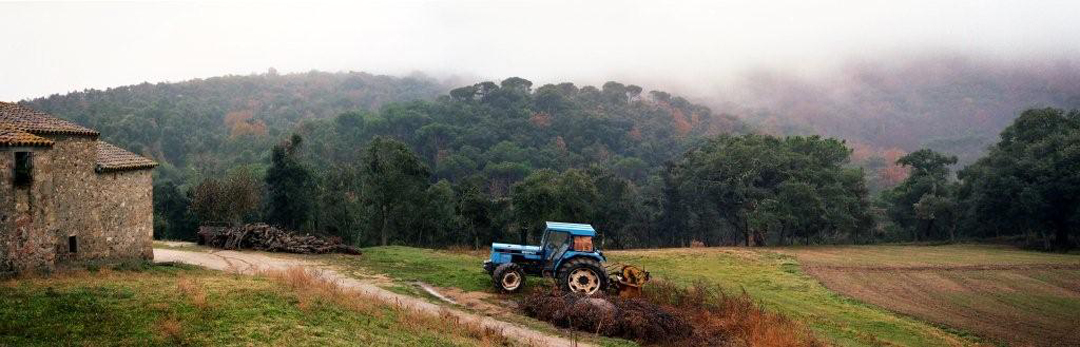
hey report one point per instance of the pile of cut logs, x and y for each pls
(263, 237)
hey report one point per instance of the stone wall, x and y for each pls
(7, 209)
(24, 243)
(126, 207)
(110, 215)
(74, 188)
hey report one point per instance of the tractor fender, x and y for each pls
(573, 254)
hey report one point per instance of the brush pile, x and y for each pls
(671, 315)
(263, 237)
(635, 319)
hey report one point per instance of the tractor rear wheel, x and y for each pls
(508, 278)
(582, 275)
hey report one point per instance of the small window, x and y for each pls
(24, 168)
(583, 243)
(555, 240)
(73, 244)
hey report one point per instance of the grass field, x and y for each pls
(439, 268)
(1007, 295)
(773, 278)
(159, 305)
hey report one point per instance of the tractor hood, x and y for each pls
(511, 248)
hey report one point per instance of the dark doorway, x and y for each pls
(24, 169)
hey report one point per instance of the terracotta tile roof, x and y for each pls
(112, 158)
(11, 137)
(38, 123)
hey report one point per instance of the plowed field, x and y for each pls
(1003, 294)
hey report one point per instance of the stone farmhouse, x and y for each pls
(67, 197)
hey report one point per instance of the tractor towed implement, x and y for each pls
(628, 279)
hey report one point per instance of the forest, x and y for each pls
(378, 160)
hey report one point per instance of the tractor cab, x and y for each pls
(566, 240)
(566, 252)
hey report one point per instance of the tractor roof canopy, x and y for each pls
(575, 229)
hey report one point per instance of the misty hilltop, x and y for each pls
(882, 109)
(886, 108)
(949, 103)
(507, 128)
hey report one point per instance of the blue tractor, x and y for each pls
(566, 252)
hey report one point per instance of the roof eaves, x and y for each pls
(111, 158)
(39, 123)
(10, 137)
(116, 168)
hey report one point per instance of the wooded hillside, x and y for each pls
(213, 124)
(360, 157)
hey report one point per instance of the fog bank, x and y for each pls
(693, 47)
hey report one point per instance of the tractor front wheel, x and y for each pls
(582, 275)
(508, 278)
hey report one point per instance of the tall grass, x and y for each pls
(173, 305)
(172, 330)
(191, 289)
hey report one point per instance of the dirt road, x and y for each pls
(250, 263)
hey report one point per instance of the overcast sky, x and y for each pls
(50, 48)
